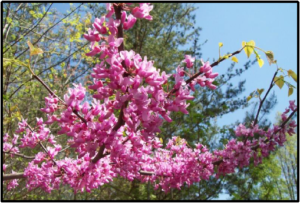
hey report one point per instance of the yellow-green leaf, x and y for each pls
(279, 81)
(161, 140)
(9, 20)
(249, 97)
(13, 108)
(178, 140)
(234, 59)
(270, 57)
(34, 50)
(220, 44)
(7, 61)
(260, 62)
(260, 91)
(293, 74)
(249, 47)
(291, 90)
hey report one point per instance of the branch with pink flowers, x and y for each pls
(115, 133)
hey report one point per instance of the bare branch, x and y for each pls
(48, 31)
(13, 176)
(29, 30)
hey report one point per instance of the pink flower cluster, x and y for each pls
(238, 154)
(32, 137)
(178, 164)
(130, 103)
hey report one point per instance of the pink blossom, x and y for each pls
(292, 106)
(113, 26)
(114, 42)
(39, 121)
(4, 166)
(143, 11)
(39, 157)
(51, 104)
(15, 139)
(22, 125)
(12, 184)
(110, 10)
(189, 61)
(95, 51)
(5, 137)
(130, 21)
(98, 24)
(92, 35)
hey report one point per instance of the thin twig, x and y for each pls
(199, 73)
(21, 155)
(257, 146)
(262, 101)
(52, 93)
(48, 30)
(29, 30)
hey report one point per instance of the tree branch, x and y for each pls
(21, 155)
(262, 101)
(49, 30)
(52, 93)
(257, 146)
(13, 176)
(199, 73)
(29, 30)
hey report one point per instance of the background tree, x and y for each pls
(59, 35)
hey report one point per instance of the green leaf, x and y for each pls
(249, 47)
(9, 20)
(234, 59)
(270, 57)
(5, 97)
(279, 81)
(291, 90)
(9, 61)
(293, 74)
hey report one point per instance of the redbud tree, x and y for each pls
(114, 133)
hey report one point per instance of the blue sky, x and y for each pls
(273, 26)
